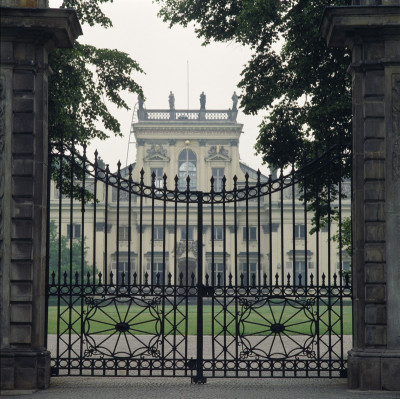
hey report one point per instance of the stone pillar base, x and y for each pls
(24, 369)
(374, 369)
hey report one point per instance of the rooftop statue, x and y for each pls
(171, 100)
(202, 101)
(235, 101)
(141, 102)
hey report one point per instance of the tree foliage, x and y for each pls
(84, 79)
(67, 256)
(292, 74)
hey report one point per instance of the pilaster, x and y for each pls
(373, 34)
(27, 34)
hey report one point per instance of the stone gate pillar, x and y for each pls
(28, 32)
(372, 32)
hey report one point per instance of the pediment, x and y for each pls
(218, 157)
(157, 157)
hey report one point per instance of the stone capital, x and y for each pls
(50, 27)
(344, 26)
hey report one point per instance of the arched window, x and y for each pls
(187, 166)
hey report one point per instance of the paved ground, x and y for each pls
(170, 388)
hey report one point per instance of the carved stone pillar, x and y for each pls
(27, 34)
(373, 35)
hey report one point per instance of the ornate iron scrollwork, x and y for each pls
(266, 326)
(129, 327)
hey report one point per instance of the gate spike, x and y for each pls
(335, 280)
(288, 279)
(241, 280)
(146, 278)
(76, 278)
(88, 278)
(111, 278)
(142, 177)
(158, 279)
(207, 278)
(230, 279)
(311, 280)
(300, 277)
(134, 278)
(53, 278)
(123, 278)
(193, 277)
(181, 278)
(347, 280)
(219, 280)
(100, 276)
(276, 279)
(165, 181)
(323, 279)
(169, 279)
(253, 279)
(265, 279)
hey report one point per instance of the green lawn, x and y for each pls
(141, 320)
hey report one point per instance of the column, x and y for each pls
(372, 32)
(27, 34)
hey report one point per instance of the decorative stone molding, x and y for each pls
(156, 152)
(396, 127)
(217, 153)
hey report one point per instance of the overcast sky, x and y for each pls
(163, 54)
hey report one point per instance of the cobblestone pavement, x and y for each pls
(176, 388)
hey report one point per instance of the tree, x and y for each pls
(67, 256)
(292, 74)
(84, 79)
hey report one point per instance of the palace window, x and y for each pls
(299, 231)
(123, 233)
(252, 270)
(158, 172)
(74, 232)
(189, 233)
(158, 233)
(252, 233)
(218, 233)
(218, 174)
(218, 270)
(187, 166)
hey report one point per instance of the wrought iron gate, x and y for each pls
(241, 282)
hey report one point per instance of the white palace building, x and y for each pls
(128, 234)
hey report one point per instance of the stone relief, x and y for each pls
(217, 149)
(396, 128)
(181, 248)
(156, 149)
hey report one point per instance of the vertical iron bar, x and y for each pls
(224, 262)
(117, 277)
(259, 225)
(329, 266)
(47, 277)
(106, 230)
(59, 244)
(82, 287)
(235, 226)
(129, 227)
(141, 228)
(270, 227)
(71, 229)
(294, 276)
(162, 282)
(200, 291)
(153, 278)
(94, 221)
(247, 232)
(282, 237)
